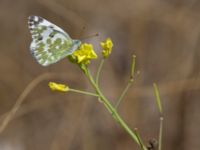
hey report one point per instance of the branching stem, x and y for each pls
(111, 109)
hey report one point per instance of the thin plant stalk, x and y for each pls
(99, 71)
(129, 82)
(83, 92)
(142, 146)
(160, 134)
(123, 94)
(159, 105)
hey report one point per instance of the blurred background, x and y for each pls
(163, 34)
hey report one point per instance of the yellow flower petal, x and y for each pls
(85, 53)
(58, 87)
(107, 46)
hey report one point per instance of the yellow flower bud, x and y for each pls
(107, 47)
(58, 87)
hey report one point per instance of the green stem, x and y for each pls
(160, 134)
(83, 92)
(129, 83)
(142, 146)
(123, 94)
(99, 70)
(133, 66)
(111, 109)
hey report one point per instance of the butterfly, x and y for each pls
(49, 43)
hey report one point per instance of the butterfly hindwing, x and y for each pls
(50, 43)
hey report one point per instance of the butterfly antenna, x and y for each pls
(83, 29)
(89, 36)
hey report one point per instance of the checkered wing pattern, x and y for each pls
(49, 42)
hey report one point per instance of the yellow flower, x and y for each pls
(107, 47)
(84, 54)
(58, 87)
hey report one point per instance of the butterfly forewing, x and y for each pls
(50, 43)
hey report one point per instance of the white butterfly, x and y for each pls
(50, 43)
